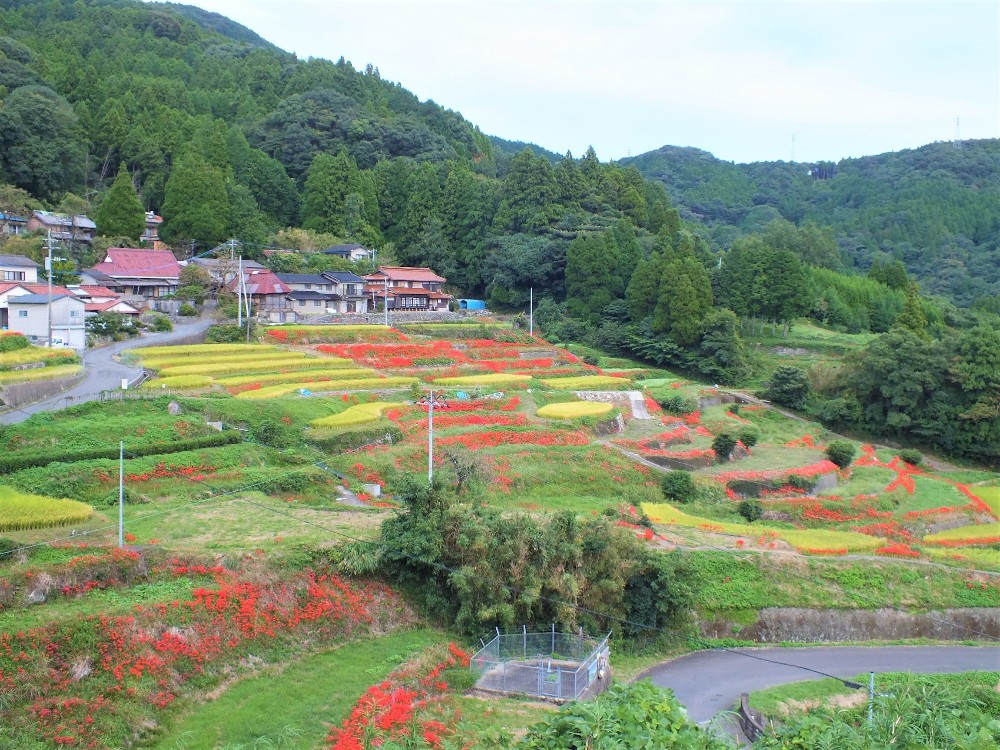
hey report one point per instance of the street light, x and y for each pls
(431, 402)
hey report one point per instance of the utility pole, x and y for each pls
(871, 697)
(430, 440)
(239, 296)
(48, 267)
(121, 494)
(385, 303)
(531, 311)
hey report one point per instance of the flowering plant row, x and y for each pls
(70, 684)
(406, 708)
(497, 438)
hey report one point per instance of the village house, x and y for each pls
(408, 288)
(12, 225)
(137, 273)
(29, 314)
(326, 293)
(63, 226)
(353, 252)
(18, 268)
(13, 289)
(224, 270)
(268, 294)
(151, 234)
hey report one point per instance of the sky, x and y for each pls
(747, 80)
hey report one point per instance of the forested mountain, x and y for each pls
(936, 208)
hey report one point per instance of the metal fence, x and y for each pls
(552, 664)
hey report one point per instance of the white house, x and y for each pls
(29, 314)
(18, 268)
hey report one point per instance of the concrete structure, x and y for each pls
(29, 314)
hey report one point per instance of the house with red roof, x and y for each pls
(408, 288)
(269, 295)
(138, 273)
(12, 290)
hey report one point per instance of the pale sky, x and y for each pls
(748, 80)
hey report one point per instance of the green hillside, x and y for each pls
(935, 208)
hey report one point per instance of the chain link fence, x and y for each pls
(553, 664)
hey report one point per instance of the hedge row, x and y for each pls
(18, 461)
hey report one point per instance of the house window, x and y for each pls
(352, 307)
(74, 313)
(352, 290)
(13, 275)
(309, 286)
(317, 303)
(302, 303)
(22, 313)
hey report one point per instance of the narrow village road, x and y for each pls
(102, 373)
(711, 682)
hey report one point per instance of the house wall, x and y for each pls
(33, 322)
(13, 273)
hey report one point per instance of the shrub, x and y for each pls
(159, 323)
(677, 404)
(10, 342)
(678, 486)
(187, 310)
(841, 452)
(751, 509)
(723, 446)
(788, 386)
(230, 334)
(911, 455)
(749, 436)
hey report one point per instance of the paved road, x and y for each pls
(102, 372)
(710, 682)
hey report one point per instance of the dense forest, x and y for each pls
(115, 107)
(935, 208)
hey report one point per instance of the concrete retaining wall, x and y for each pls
(795, 625)
(19, 394)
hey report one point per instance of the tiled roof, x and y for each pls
(344, 277)
(92, 290)
(303, 278)
(11, 217)
(17, 260)
(39, 299)
(34, 288)
(405, 273)
(64, 220)
(124, 262)
(345, 249)
(98, 307)
(261, 282)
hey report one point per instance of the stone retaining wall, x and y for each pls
(18, 394)
(798, 625)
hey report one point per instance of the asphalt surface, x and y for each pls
(102, 373)
(711, 682)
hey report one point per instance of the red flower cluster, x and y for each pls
(135, 664)
(899, 549)
(820, 467)
(806, 441)
(396, 710)
(496, 438)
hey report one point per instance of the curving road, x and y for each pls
(102, 373)
(710, 682)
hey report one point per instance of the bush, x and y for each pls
(751, 510)
(841, 452)
(159, 323)
(678, 486)
(749, 436)
(10, 342)
(187, 310)
(677, 404)
(229, 334)
(912, 456)
(723, 446)
(788, 386)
